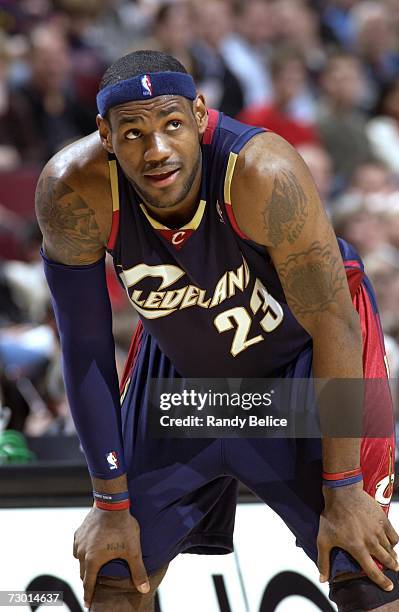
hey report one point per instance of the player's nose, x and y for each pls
(157, 148)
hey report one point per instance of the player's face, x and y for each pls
(157, 144)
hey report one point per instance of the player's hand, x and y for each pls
(354, 521)
(103, 536)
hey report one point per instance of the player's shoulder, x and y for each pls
(264, 156)
(83, 164)
(74, 202)
(269, 173)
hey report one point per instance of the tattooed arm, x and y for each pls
(74, 207)
(284, 213)
(276, 204)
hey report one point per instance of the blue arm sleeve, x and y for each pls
(84, 319)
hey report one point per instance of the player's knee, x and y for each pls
(350, 591)
(122, 595)
(112, 597)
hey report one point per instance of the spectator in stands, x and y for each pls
(123, 26)
(375, 42)
(355, 221)
(51, 109)
(26, 278)
(383, 130)
(17, 138)
(221, 87)
(289, 81)
(86, 55)
(21, 17)
(372, 176)
(384, 274)
(174, 33)
(392, 7)
(246, 51)
(320, 166)
(338, 22)
(390, 217)
(28, 347)
(296, 24)
(342, 126)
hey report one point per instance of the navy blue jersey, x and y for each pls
(211, 304)
(210, 297)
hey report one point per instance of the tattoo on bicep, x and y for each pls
(285, 213)
(312, 279)
(66, 219)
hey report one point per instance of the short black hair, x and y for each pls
(140, 62)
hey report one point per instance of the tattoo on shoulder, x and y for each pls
(311, 279)
(66, 219)
(285, 213)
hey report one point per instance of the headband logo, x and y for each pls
(146, 85)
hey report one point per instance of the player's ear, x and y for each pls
(200, 113)
(104, 129)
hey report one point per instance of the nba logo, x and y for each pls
(146, 85)
(112, 460)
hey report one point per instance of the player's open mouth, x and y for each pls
(163, 179)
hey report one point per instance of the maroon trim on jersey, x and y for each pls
(352, 263)
(213, 118)
(375, 453)
(354, 278)
(114, 230)
(134, 350)
(232, 219)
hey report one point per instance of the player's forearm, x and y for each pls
(91, 384)
(337, 347)
(114, 485)
(84, 320)
(337, 354)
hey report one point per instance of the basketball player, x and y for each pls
(218, 234)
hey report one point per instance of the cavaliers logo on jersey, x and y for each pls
(166, 300)
(384, 487)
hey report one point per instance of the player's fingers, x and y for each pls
(386, 544)
(323, 559)
(392, 536)
(89, 580)
(138, 572)
(82, 568)
(370, 568)
(384, 557)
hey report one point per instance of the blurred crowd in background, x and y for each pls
(324, 74)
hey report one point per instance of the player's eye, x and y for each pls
(132, 134)
(174, 125)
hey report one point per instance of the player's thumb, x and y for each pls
(323, 560)
(139, 574)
